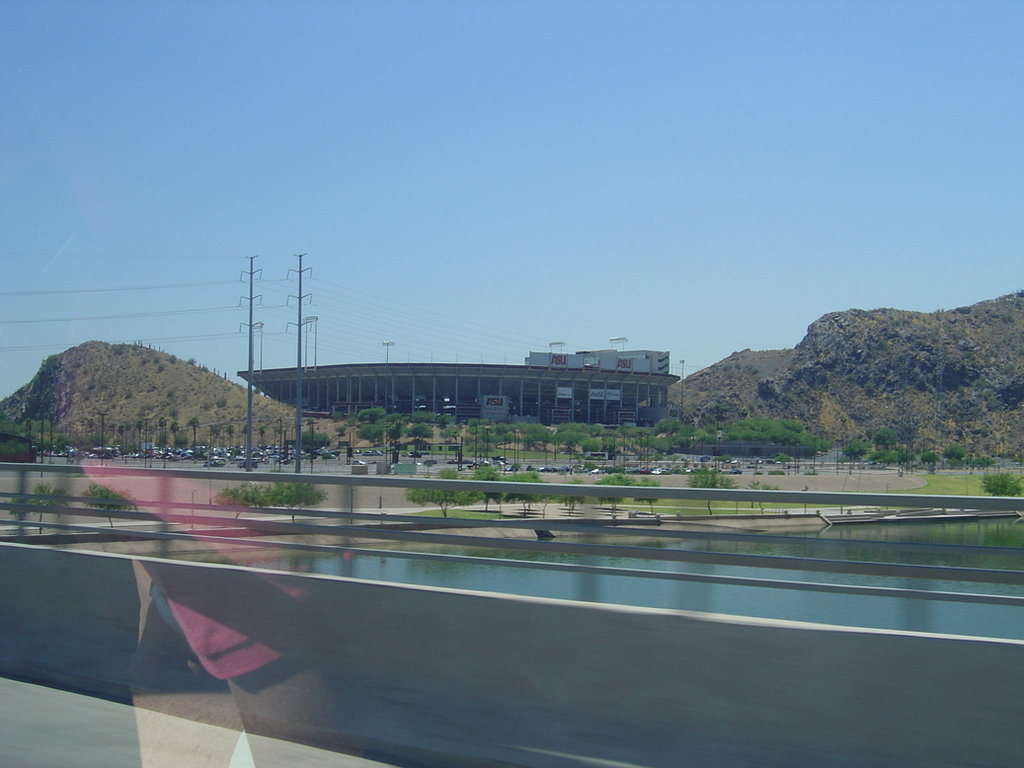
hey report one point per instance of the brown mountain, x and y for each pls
(951, 376)
(130, 383)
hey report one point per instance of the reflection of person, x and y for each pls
(203, 656)
(166, 679)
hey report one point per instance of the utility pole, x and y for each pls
(248, 390)
(298, 368)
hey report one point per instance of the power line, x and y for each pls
(64, 345)
(115, 290)
(120, 317)
(430, 317)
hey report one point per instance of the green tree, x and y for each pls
(244, 495)
(43, 495)
(444, 498)
(526, 500)
(262, 495)
(1002, 484)
(371, 415)
(534, 436)
(570, 435)
(371, 433)
(954, 454)
(884, 457)
(294, 496)
(884, 438)
(489, 473)
(666, 426)
(708, 477)
(420, 433)
(394, 428)
(616, 478)
(450, 432)
(648, 482)
(856, 448)
(193, 424)
(101, 497)
(570, 502)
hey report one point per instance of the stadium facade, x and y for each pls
(608, 386)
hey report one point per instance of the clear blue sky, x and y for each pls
(476, 179)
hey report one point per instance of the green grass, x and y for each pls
(950, 485)
(462, 514)
(938, 485)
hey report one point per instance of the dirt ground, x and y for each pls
(881, 481)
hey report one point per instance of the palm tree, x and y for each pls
(194, 424)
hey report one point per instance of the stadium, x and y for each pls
(608, 386)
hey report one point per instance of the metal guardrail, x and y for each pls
(798, 498)
(211, 524)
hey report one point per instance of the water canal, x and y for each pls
(978, 588)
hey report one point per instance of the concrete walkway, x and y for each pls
(48, 728)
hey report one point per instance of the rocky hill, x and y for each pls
(951, 376)
(131, 383)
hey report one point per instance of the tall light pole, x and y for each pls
(258, 325)
(316, 337)
(311, 320)
(388, 344)
(682, 402)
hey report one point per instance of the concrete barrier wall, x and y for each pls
(435, 677)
